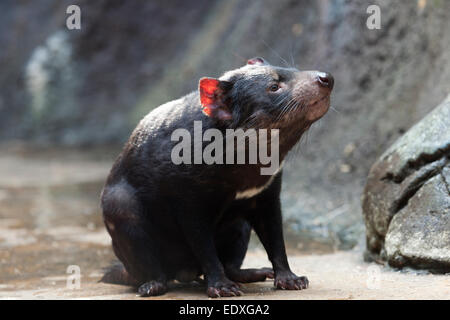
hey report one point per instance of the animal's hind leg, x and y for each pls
(232, 242)
(249, 275)
(132, 243)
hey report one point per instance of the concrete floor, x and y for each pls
(37, 271)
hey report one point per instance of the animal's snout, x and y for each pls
(325, 80)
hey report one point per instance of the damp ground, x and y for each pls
(50, 220)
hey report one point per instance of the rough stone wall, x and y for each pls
(91, 86)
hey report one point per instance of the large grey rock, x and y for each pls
(406, 201)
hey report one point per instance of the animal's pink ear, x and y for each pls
(212, 98)
(257, 61)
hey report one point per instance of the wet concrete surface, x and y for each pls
(50, 219)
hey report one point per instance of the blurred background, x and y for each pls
(70, 98)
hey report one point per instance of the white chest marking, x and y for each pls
(249, 193)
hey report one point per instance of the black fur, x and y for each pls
(172, 221)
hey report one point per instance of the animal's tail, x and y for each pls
(117, 274)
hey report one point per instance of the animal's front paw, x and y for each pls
(223, 288)
(152, 288)
(289, 281)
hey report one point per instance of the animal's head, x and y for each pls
(260, 95)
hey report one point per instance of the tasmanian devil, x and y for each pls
(180, 221)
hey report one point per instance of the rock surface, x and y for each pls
(406, 201)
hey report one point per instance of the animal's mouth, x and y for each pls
(318, 108)
(320, 100)
(310, 111)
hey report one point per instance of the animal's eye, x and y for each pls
(274, 87)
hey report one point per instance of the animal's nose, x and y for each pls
(325, 80)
